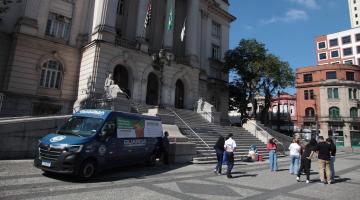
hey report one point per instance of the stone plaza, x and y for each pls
(20, 180)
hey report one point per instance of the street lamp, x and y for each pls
(159, 61)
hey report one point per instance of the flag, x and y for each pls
(171, 19)
(183, 31)
(148, 15)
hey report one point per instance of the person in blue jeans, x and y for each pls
(271, 148)
(295, 152)
(219, 149)
(332, 158)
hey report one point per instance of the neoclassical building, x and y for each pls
(57, 53)
(328, 101)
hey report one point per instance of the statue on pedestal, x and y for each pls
(111, 89)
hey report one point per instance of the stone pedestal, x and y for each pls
(121, 104)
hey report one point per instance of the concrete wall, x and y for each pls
(19, 137)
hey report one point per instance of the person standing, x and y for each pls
(271, 148)
(306, 160)
(332, 157)
(219, 149)
(323, 149)
(165, 148)
(229, 147)
(295, 149)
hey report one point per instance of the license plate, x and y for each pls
(46, 163)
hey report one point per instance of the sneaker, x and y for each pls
(307, 181)
(218, 173)
(298, 179)
(229, 176)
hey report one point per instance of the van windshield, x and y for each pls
(81, 126)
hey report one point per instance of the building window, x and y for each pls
(335, 54)
(309, 112)
(120, 7)
(350, 76)
(358, 61)
(347, 51)
(358, 49)
(333, 93)
(334, 112)
(322, 56)
(215, 52)
(51, 73)
(346, 39)
(308, 94)
(216, 30)
(357, 37)
(331, 75)
(58, 26)
(348, 62)
(352, 93)
(353, 112)
(356, 15)
(321, 45)
(308, 78)
(357, 22)
(333, 42)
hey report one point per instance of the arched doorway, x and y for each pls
(152, 90)
(121, 78)
(179, 94)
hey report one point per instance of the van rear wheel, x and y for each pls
(87, 170)
(151, 161)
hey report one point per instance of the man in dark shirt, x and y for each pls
(323, 149)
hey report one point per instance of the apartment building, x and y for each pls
(354, 12)
(339, 48)
(58, 52)
(329, 96)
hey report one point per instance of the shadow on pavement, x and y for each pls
(140, 171)
(243, 175)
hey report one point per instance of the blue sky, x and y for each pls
(288, 27)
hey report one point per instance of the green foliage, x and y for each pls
(257, 72)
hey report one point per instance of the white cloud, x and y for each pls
(290, 16)
(307, 3)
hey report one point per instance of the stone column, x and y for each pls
(104, 20)
(169, 33)
(347, 138)
(29, 22)
(192, 18)
(324, 129)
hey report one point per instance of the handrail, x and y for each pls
(267, 135)
(188, 127)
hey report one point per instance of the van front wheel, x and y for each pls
(87, 170)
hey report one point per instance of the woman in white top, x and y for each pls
(295, 151)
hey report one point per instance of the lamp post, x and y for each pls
(159, 61)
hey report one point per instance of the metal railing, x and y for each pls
(264, 133)
(188, 127)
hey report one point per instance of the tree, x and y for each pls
(245, 61)
(257, 72)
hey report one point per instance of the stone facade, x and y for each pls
(85, 40)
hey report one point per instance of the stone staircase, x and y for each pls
(209, 133)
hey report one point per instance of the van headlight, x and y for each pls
(74, 148)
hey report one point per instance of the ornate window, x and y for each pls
(309, 112)
(334, 112)
(353, 112)
(58, 26)
(51, 74)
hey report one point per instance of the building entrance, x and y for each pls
(179, 95)
(121, 78)
(152, 91)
